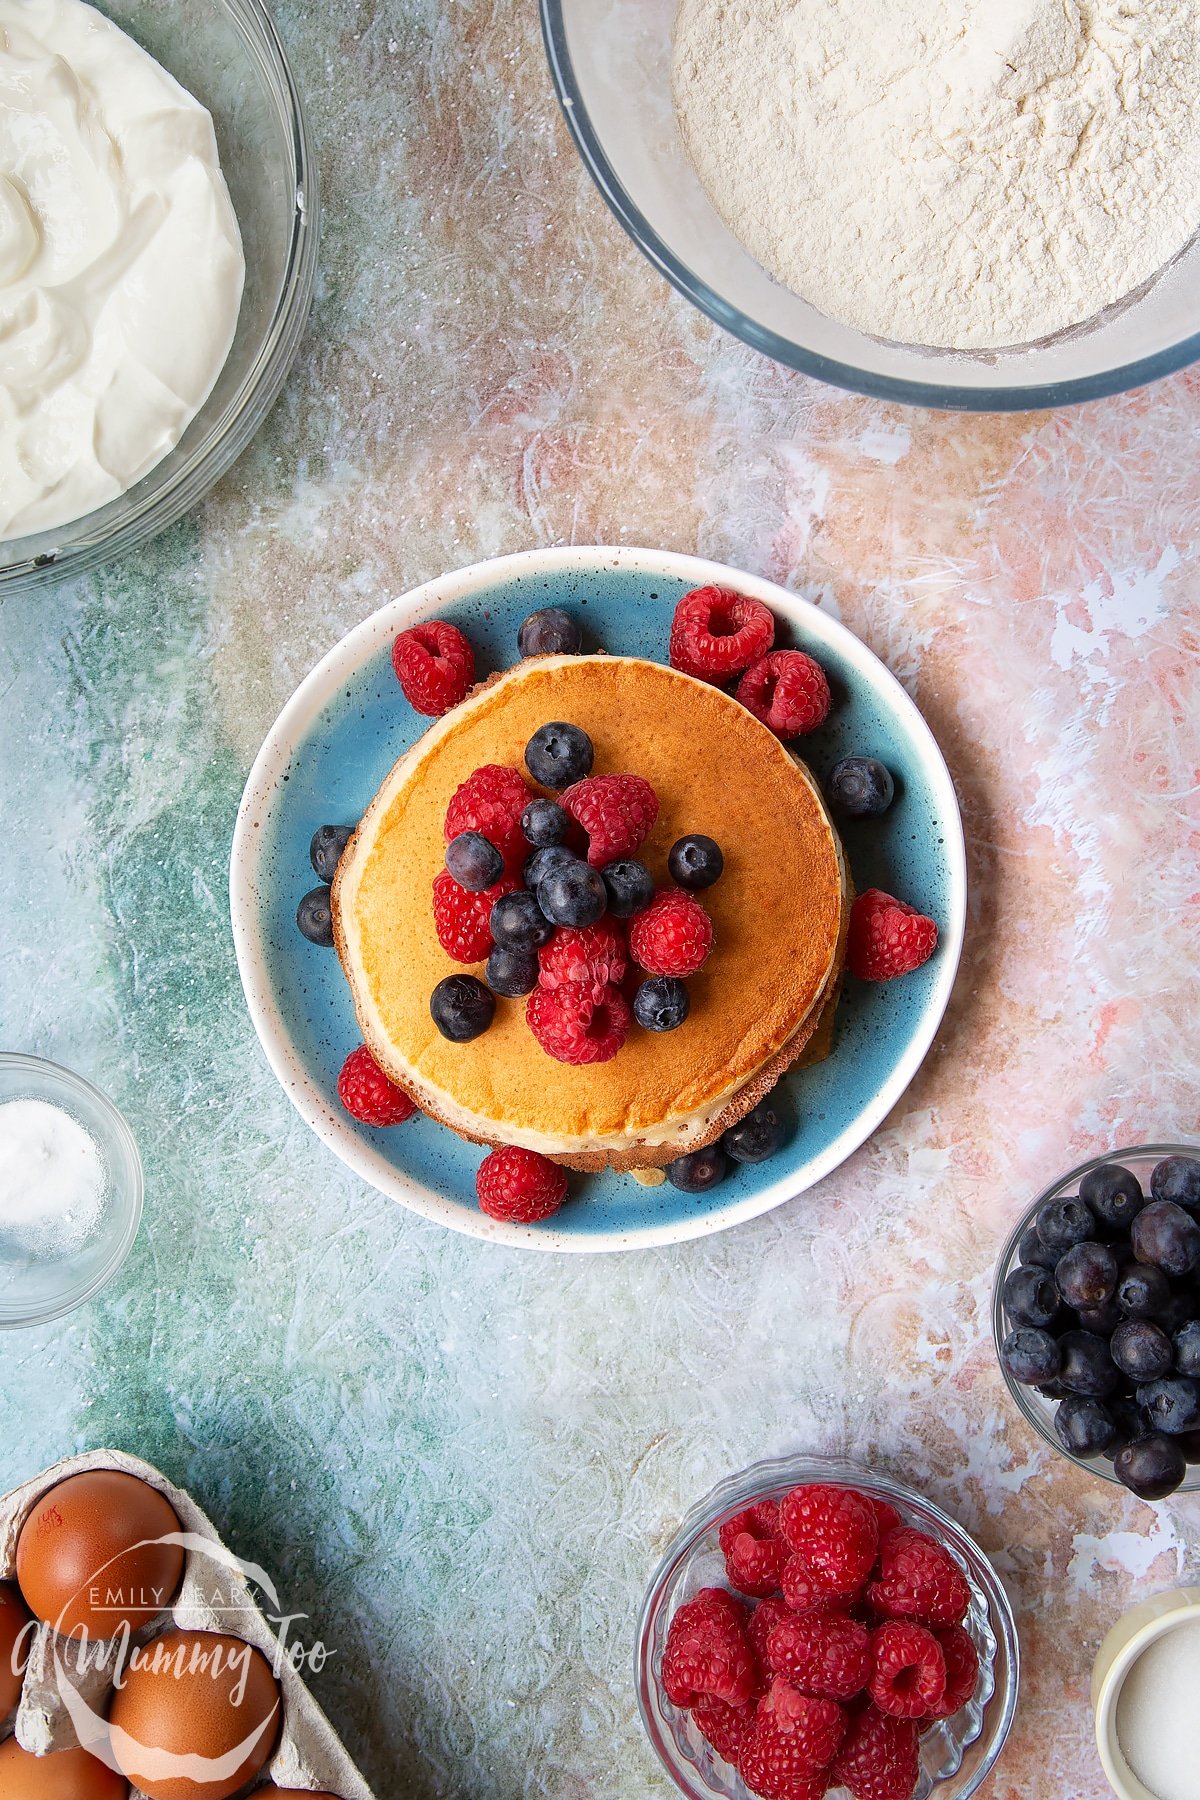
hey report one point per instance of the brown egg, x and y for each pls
(195, 1694)
(88, 1559)
(14, 1649)
(63, 1775)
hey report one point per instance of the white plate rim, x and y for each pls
(335, 1129)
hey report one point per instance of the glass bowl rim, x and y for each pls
(261, 385)
(1024, 1405)
(130, 1188)
(946, 396)
(735, 1491)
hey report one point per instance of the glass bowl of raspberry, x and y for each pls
(883, 1654)
(1096, 1316)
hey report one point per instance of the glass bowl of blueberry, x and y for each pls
(764, 1668)
(1096, 1312)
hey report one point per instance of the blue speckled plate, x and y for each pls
(343, 729)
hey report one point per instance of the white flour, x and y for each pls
(965, 173)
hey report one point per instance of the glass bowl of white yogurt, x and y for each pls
(847, 198)
(70, 1191)
(158, 290)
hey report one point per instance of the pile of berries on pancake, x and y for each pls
(845, 1639)
(543, 885)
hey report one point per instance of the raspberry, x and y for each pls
(835, 1532)
(726, 1727)
(753, 1550)
(491, 801)
(673, 936)
(909, 1679)
(519, 1186)
(792, 1741)
(715, 633)
(616, 811)
(804, 1591)
(918, 1580)
(763, 1620)
(708, 1652)
(826, 1653)
(593, 957)
(434, 665)
(962, 1671)
(461, 920)
(577, 1025)
(887, 938)
(886, 1517)
(368, 1095)
(787, 691)
(879, 1758)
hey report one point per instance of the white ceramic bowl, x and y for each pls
(1132, 1634)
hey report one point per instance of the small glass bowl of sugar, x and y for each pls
(1144, 1685)
(70, 1191)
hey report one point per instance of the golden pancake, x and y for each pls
(779, 917)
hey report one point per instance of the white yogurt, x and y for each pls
(53, 1181)
(121, 265)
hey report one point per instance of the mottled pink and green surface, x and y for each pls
(461, 1462)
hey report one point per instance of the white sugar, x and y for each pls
(52, 1181)
(1157, 1726)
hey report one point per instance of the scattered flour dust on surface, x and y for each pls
(966, 174)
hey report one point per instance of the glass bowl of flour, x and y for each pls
(70, 1191)
(226, 55)
(961, 206)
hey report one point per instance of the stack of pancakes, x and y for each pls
(779, 913)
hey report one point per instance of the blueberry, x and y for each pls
(1168, 1237)
(1142, 1290)
(1189, 1443)
(1187, 1348)
(1130, 1421)
(757, 1136)
(314, 916)
(1177, 1178)
(573, 894)
(696, 1173)
(1114, 1195)
(511, 972)
(1087, 1367)
(630, 887)
(1086, 1275)
(1176, 1310)
(1083, 1426)
(1151, 1467)
(518, 923)
(1030, 1356)
(462, 1008)
(559, 754)
(1173, 1404)
(549, 632)
(661, 1004)
(545, 823)
(1031, 1250)
(1030, 1297)
(860, 787)
(474, 861)
(539, 865)
(1141, 1350)
(1103, 1320)
(324, 853)
(1061, 1223)
(695, 862)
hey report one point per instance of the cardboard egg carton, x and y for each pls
(214, 1595)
